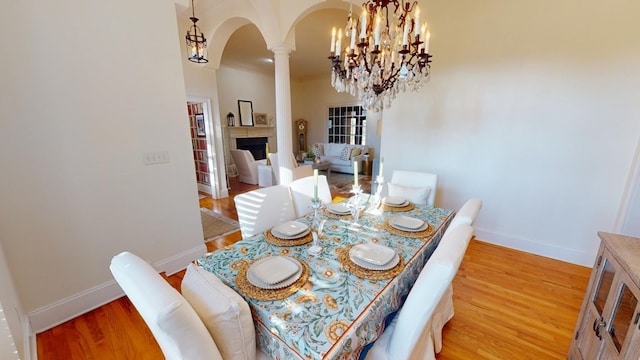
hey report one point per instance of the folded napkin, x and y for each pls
(407, 222)
(373, 253)
(274, 269)
(291, 228)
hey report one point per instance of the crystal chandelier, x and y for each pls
(388, 52)
(196, 42)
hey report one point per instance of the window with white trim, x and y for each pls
(348, 125)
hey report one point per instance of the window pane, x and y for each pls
(604, 286)
(622, 316)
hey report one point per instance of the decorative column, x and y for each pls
(283, 111)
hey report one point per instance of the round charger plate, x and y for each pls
(255, 280)
(252, 291)
(359, 271)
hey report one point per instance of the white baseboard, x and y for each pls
(205, 188)
(56, 313)
(527, 245)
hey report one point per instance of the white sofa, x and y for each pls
(333, 154)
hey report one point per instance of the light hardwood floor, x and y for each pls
(508, 305)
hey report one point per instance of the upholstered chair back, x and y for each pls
(173, 322)
(259, 210)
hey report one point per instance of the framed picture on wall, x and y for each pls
(200, 125)
(260, 119)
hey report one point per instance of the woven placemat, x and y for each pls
(257, 293)
(350, 266)
(336, 216)
(398, 208)
(412, 234)
(272, 239)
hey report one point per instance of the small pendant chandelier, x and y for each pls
(388, 52)
(196, 42)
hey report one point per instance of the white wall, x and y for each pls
(87, 88)
(533, 107)
(313, 98)
(238, 84)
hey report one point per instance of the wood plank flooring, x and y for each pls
(508, 305)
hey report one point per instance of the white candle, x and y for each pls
(423, 35)
(353, 38)
(363, 24)
(405, 34)
(426, 42)
(315, 183)
(339, 43)
(417, 24)
(333, 40)
(377, 30)
(381, 165)
(355, 173)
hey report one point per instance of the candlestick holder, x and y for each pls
(377, 198)
(316, 204)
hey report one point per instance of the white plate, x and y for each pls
(274, 272)
(290, 230)
(407, 222)
(424, 227)
(285, 237)
(395, 201)
(391, 264)
(372, 253)
(339, 209)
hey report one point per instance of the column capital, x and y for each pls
(281, 48)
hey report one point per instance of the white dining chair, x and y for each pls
(259, 210)
(451, 249)
(408, 336)
(302, 193)
(467, 213)
(173, 322)
(417, 187)
(298, 172)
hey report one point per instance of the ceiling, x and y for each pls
(246, 47)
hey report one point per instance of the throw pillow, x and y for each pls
(318, 150)
(355, 151)
(416, 195)
(225, 313)
(346, 153)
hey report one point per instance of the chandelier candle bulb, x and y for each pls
(355, 173)
(426, 41)
(376, 37)
(339, 43)
(353, 38)
(333, 40)
(417, 24)
(363, 24)
(405, 34)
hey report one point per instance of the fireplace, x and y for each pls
(257, 146)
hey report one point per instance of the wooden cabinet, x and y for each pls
(609, 323)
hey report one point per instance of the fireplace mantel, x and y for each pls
(248, 132)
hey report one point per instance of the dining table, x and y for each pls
(334, 306)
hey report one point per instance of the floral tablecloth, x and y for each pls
(335, 313)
